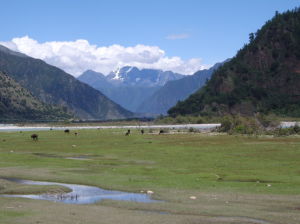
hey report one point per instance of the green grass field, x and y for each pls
(235, 179)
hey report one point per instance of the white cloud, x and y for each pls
(75, 57)
(178, 36)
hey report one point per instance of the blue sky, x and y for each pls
(212, 30)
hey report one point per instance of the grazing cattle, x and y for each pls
(67, 131)
(75, 133)
(34, 137)
(142, 131)
(127, 133)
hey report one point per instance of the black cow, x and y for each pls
(34, 137)
(127, 133)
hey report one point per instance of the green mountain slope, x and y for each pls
(53, 86)
(17, 103)
(263, 77)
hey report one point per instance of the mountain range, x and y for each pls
(129, 86)
(147, 91)
(173, 91)
(263, 77)
(132, 76)
(53, 86)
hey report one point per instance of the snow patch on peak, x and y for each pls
(129, 69)
(117, 74)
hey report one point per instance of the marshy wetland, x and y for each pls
(195, 177)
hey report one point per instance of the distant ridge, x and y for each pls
(132, 76)
(129, 86)
(173, 91)
(54, 86)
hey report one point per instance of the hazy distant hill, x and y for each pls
(95, 79)
(52, 85)
(263, 77)
(173, 91)
(17, 103)
(129, 86)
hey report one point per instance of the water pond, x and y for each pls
(82, 194)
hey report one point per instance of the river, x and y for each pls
(13, 127)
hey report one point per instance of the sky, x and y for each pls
(179, 35)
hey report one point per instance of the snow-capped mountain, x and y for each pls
(132, 76)
(129, 86)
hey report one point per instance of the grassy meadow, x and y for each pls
(235, 179)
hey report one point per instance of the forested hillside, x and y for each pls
(263, 77)
(17, 103)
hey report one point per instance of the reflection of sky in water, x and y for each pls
(82, 194)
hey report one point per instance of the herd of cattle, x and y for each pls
(35, 137)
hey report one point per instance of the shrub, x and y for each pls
(241, 129)
(192, 129)
(267, 121)
(296, 129)
(286, 131)
(226, 125)
(165, 130)
(239, 125)
(199, 121)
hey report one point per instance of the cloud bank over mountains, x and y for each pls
(77, 56)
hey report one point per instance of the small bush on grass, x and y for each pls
(267, 120)
(193, 130)
(239, 125)
(296, 129)
(287, 131)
